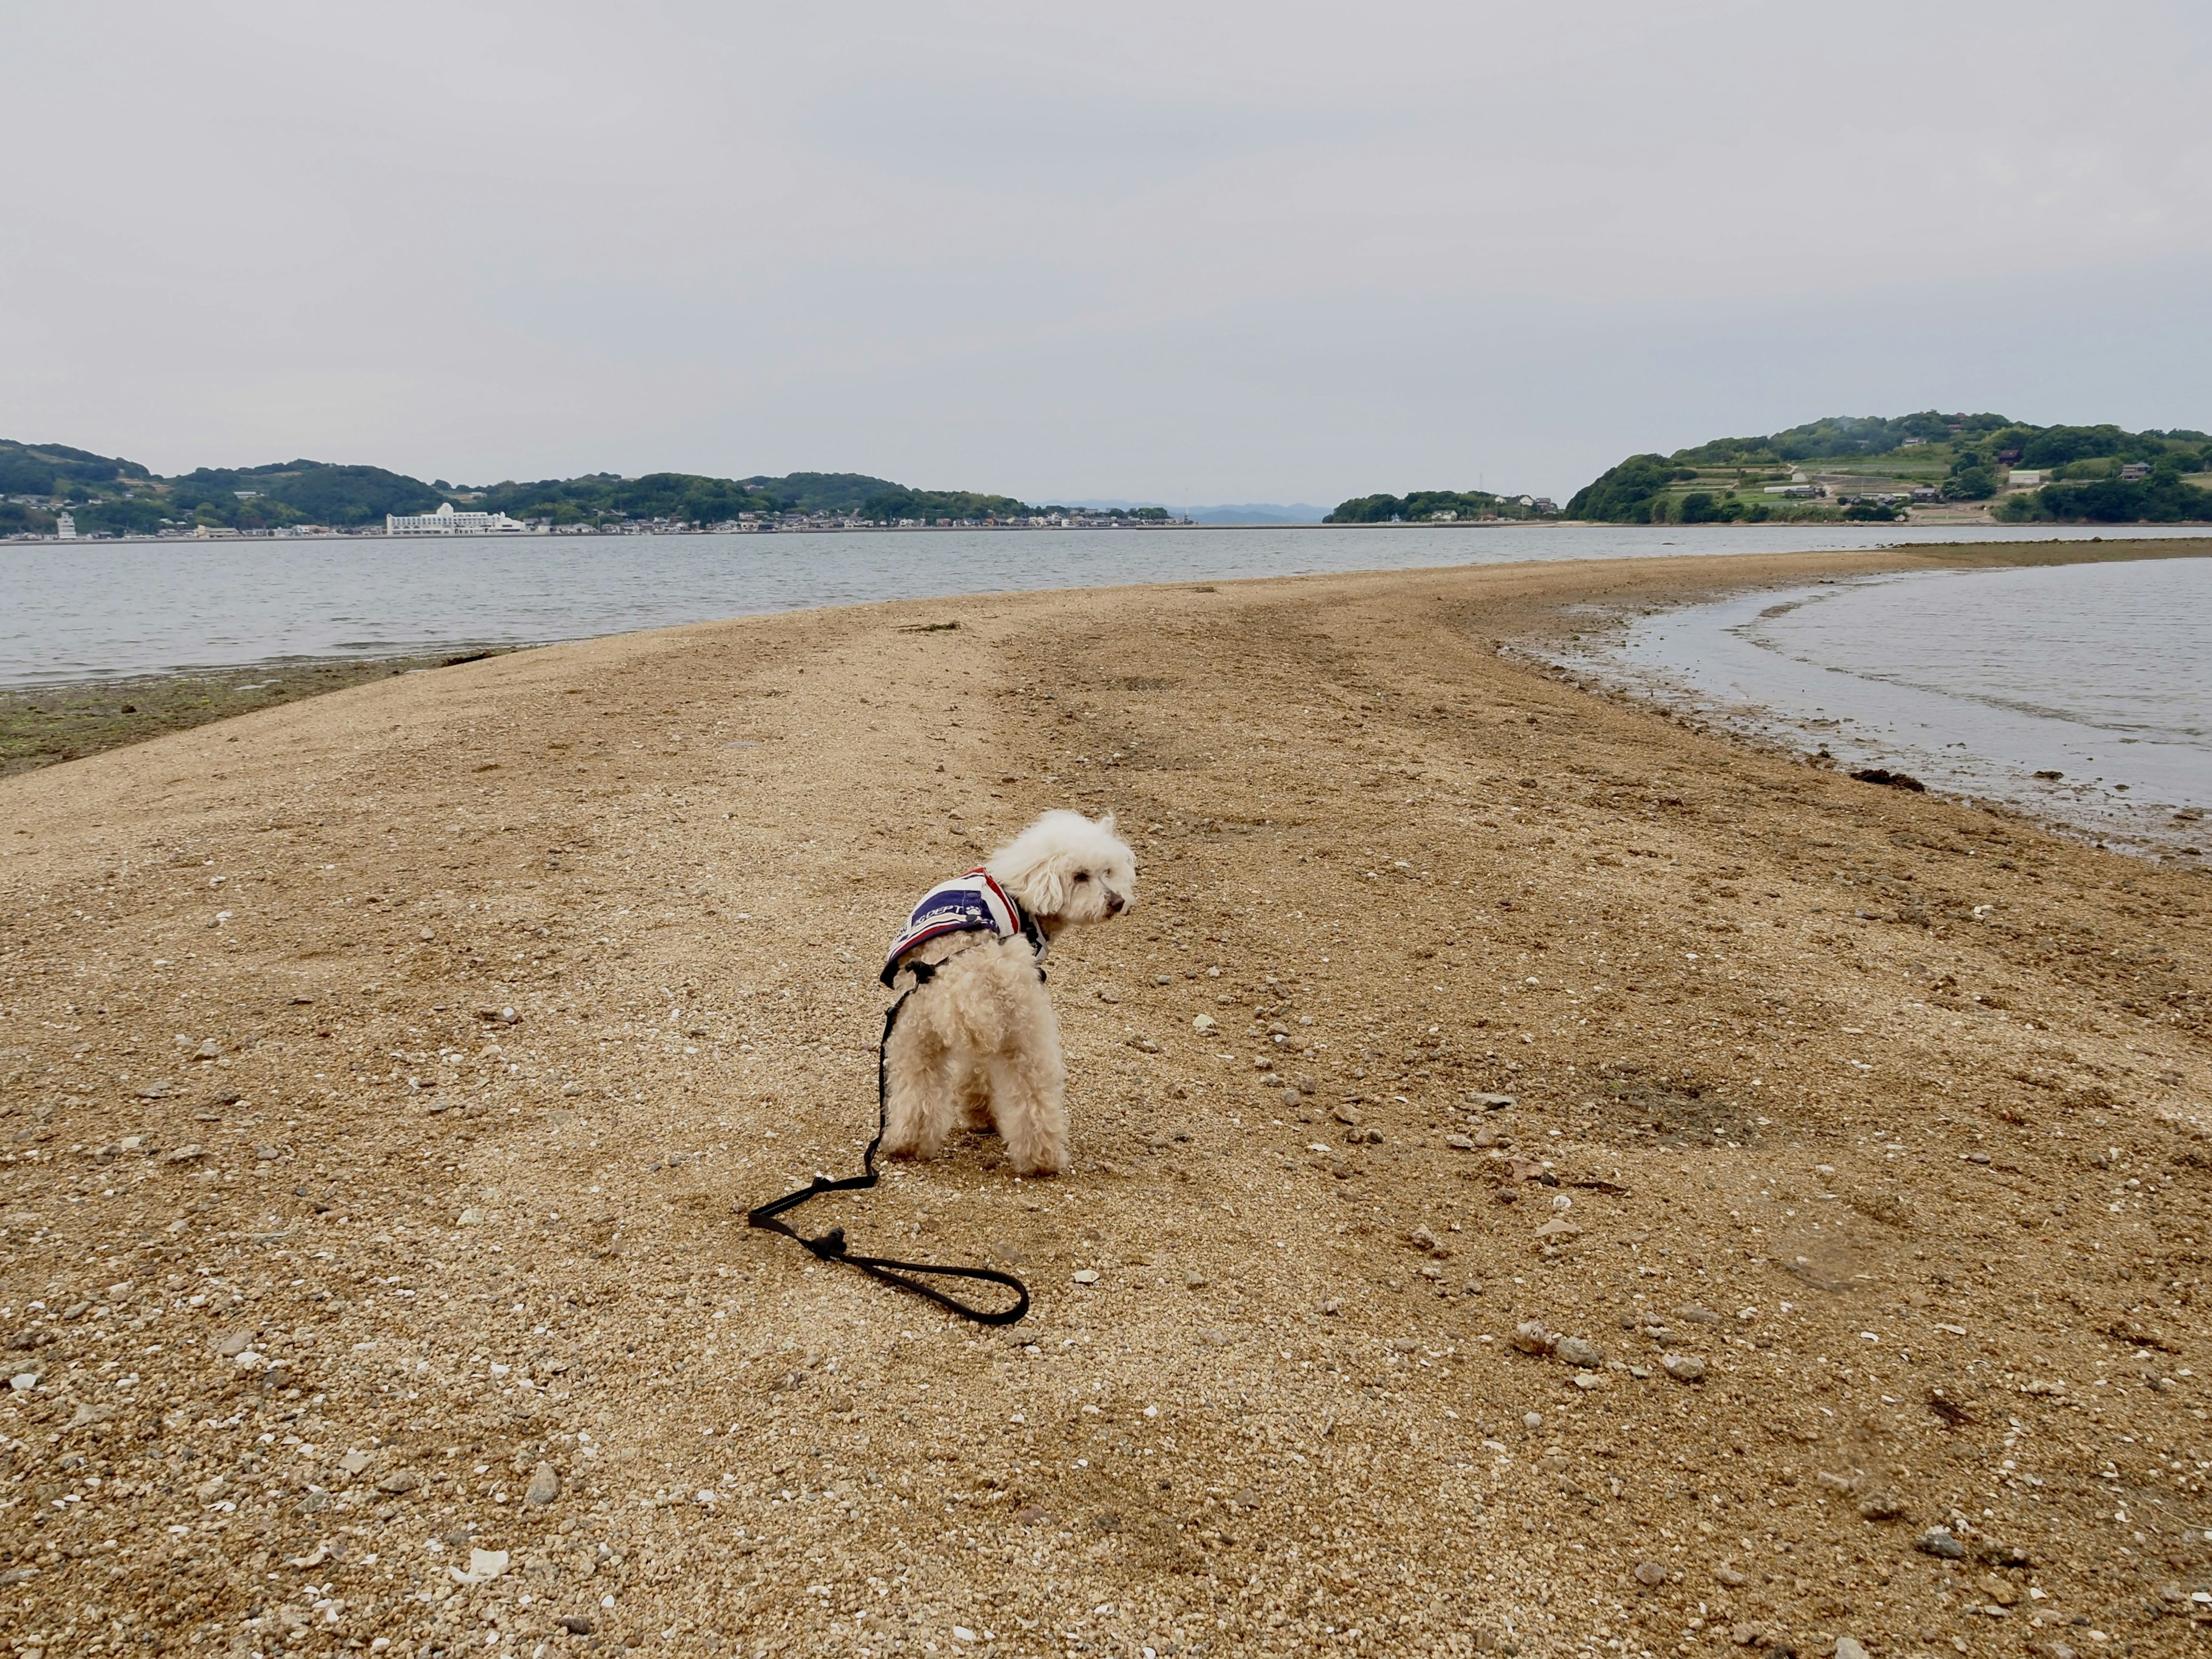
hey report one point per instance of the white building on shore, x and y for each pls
(64, 528)
(447, 522)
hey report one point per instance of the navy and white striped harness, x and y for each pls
(972, 903)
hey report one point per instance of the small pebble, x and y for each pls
(1882, 1504)
(1576, 1351)
(1938, 1542)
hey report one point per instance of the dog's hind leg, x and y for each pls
(1028, 1094)
(919, 1105)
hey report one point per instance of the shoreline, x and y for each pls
(45, 725)
(419, 1047)
(1595, 655)
(2084, 531)
(53, 719)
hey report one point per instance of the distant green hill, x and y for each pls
(601, 497)
(57, 472)
(109, 496)
(1436, 506)
(306, 492)
(1849, 467)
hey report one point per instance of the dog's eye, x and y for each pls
(1082, 875)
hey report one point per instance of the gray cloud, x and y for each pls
(1232, 253)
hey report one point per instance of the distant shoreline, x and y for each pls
(761, 530)
(2073, 531)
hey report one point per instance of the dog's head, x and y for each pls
(1066, 868)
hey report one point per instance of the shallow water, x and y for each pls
(1972, 681)
(89, 609)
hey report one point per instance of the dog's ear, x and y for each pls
(1107, 823)
(1044, 887)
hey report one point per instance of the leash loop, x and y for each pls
(831, 1246)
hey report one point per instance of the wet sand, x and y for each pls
(43, 725)
(1859, 1133)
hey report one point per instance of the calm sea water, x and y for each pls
(2082, 691)
(89, 610)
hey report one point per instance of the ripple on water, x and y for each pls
(2083, 692)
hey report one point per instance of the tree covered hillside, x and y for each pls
(1846, 467)
(604, 497)
(107, 495)
(33, 474)
(1436, 505)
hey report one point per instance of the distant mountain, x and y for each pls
(106, 495)
(1874, 467)
(1256, 513)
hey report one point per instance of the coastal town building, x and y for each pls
(447, 522)
(64, 528)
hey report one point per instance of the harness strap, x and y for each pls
(831, 1247)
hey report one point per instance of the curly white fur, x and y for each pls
(978, 1044)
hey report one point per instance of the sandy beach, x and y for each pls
(383, 1077)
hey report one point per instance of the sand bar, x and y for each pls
(384, 1075)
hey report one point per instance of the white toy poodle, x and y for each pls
(975, 1042)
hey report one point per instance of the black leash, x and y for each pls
(830, 1246)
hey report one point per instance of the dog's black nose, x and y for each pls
(1114, 903)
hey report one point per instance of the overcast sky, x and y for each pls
(1189, 253)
